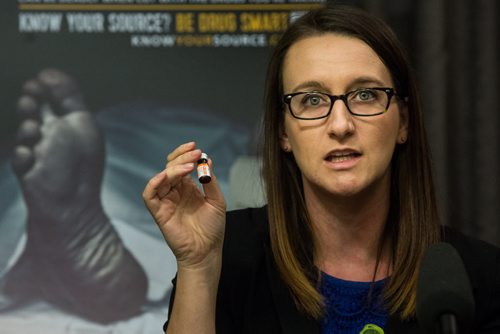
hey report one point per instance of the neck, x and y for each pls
(349, 233)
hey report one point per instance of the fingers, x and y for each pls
(161, 188)
(150, 191)
(180, 152)
(162, 183)
(180, 163)
(187, 153)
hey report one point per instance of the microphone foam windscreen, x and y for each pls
(443, 288)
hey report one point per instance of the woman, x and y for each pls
(351, 205)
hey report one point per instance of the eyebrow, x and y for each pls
(310, 84)
(359, 81)
(367, 81)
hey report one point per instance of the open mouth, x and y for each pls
(342, 156)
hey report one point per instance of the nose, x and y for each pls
(340, 120)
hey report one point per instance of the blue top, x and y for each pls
(350, 305)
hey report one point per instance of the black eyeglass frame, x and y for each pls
(287, 99)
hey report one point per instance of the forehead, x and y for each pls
(332, 60)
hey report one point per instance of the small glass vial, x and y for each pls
(203, 169)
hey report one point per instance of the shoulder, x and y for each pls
(244, 297)
(249, 218)
(482, 263)
(475, 253)
(246, 234)
(248, 224)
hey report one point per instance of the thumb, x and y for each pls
(212, 190)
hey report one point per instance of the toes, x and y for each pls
(28, 105)
(53, 89)
(62, 91)
(22, 159)
(28, 108)
(34, 88)
(28, 133)
(33, 96)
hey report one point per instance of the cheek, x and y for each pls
(303, 141)
(304, 145)
(385, 139)
(390, 126)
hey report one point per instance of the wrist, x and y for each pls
(208, 268)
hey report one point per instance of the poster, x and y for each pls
(95, 94)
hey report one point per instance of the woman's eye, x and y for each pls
(365, 95)
(313, 99)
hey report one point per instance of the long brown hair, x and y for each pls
(413, 219)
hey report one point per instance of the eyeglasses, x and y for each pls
(359, 102)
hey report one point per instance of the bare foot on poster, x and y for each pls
(73, 257)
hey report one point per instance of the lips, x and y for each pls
(342, 155)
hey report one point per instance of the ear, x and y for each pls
(285, 143)
(403, 123)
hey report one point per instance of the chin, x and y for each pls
(346, 193)
(344, 190)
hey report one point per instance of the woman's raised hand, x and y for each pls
(191, 221)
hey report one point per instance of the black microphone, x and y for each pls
(445, 303)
